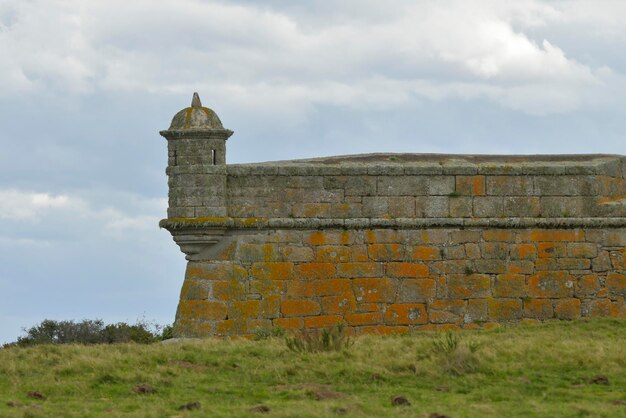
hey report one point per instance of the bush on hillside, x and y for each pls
(91, 332)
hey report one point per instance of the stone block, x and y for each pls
(494, 250)
(202, 310)
(322, 321)
(453, 252)
(227, 290)
(538, 309)
(406, 314)
(338, 304)
(588, 285)
(446, 311)
(365, 318)
(470, 185)
(423, 252)
(523, 251)
(502, 235)
(522, 206)
(567, 308)
(562, 207)
(472, 251)
(563, 186)
(468, 286)
(439, 185)
(333, 254)
(383, 206)
(315, 270)
(318, 288)
(360, 269)
(374, 290)
(460, 207)
(488, 206)
(297, 254)
(385, 252)
(244, 309)
(404, 269)
(463, 236)
(432, 206)
(509, 286)
(492, 266)
(551, 249)
(574, 263)
(509, 185)
(505, 309)
(403, 185)
(477, 310)
(415, 290)
(616, 284)
(272, 270)
(582, 249)
(550, 284)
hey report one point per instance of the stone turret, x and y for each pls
(196, 142)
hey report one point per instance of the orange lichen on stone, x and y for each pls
(384, 252)
(272, 270)
(322, 321)
(406, 314)
(523, 252)
(469, 286)
(551, 249)
(498, 235)
(270, 307)
(228, 290)
(315, 270)
(288, 323)
(509, 285)
(567, 308)
(316, 288)
(366, 269)
(317, 238)
(470, 185)
(367, 318)
(538, 308)
(553, 235)
(505, 309)
(550, 284)
(446, 311)
(406, 270)
(423, 252)
(202, 309)
(333, 254)
(616, 284)
(222, 271)
(588, 285)
(244, 309)
(303, 307)
(338, 304)
(374, 290)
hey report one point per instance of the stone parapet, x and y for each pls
(390, 243)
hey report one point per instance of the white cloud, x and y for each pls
(137, 215)
(288, 60)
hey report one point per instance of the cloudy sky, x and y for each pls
(85, 86)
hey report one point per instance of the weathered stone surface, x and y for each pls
(388, 243)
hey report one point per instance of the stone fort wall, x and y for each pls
(389, 243)
(388, 246)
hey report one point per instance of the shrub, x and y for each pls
(91, 332)
(328, 339)
(455, 356)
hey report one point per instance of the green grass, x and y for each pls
(542, 370)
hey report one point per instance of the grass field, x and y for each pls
(564, 369)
